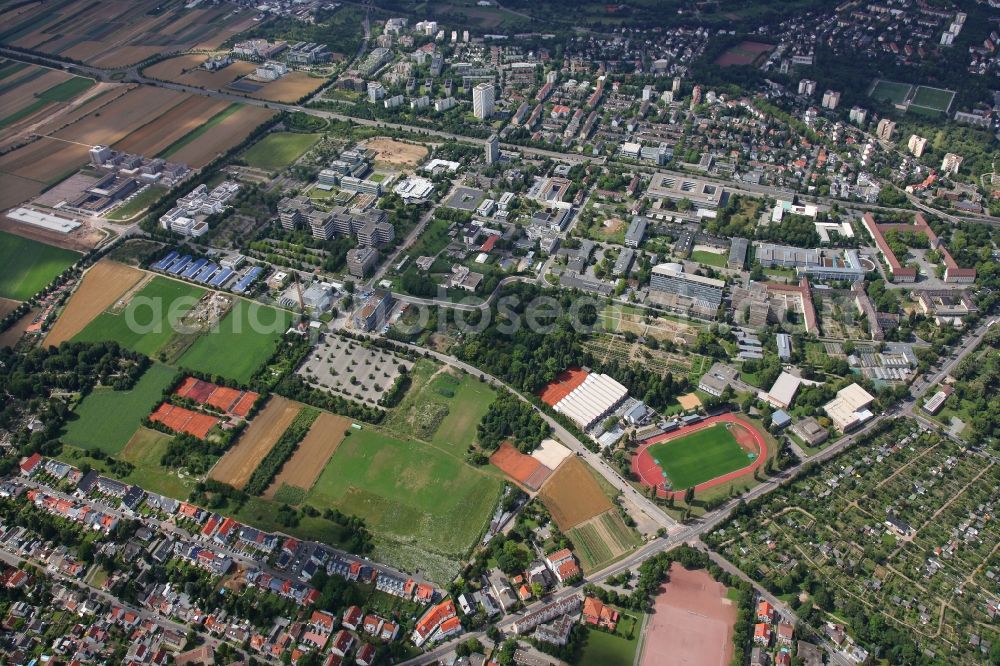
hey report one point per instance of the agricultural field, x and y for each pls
(101, 286)
(239, 462)
(311, 455)
(155, 137)
(289, 88)
(28, 266)
(244, 339)
(149, 320)
(144, 451)
(117, 33)
(426, 508)
(105, 420)
(885, 532)
(187, 69)
(279, 149)
(223, 131)
(35, 89)
(601, 540)
(699, 457)
(572, 495)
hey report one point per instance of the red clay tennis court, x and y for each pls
(230, 400)
(524, 469)
(562, 386)
(183, 420)
(651, 474)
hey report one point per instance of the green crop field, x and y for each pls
(149, 321)
(596, 550)
(407, 493)
(243, 341)
(890, 91)
(279, 149)
(700, 456)
(28, 266)
(66, 90)
(105, 420)
(932, 98)
(200, 131)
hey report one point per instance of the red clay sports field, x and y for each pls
(652, 475)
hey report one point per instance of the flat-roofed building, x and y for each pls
(360, 260)
(850, 408)
(738, 253)
(936, 401)
(636, 231)
(671, 278)
(784, 342)
(701, 193)
(810, 431)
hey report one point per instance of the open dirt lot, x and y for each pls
(229, 132)
(289, 88)
(10, 337)
(551, 453)
(572, 495)
(264, 431)
(691, 620)
(391, 151)
(101, 286)
(155, 137)
(308, 461)
(187, 69)
(689, 401)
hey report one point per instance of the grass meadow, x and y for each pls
(28, 266)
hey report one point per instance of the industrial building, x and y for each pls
(701, 193)
(592, 401)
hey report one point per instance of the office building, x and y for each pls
(671, 278)
(482, 101)
(361, 260)
(636, 231)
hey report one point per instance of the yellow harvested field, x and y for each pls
(101, 287)
(309, 459)
(239, 462)
(391, 151)
(572, 494)
(15, 190)
(156, 136)
(290, 88)
(42, 161)
(233, 129)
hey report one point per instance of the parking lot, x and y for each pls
(348, 368)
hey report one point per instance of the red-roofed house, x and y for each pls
(489, 244)
(431, 620)
(365, 655)
(352, 617)
(30, 464)
(389, 631)
(568, 572)
(765, 612)
(598, 614)
(762, 634)
(450, 627)
(322, 621)
(373, 624)
(425, 593)
(342, 643)
(786, 631)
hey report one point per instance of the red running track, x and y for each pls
(651, 475)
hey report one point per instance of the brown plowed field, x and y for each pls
(24, 94)
(124, 115)
(7, 306)
(305, 465)
(43, 160)
(233, 129)
(265, 430)
(692, 621)
(153, 138)
(572, 495)
(100, 287)
(187, 69)
(395, 152)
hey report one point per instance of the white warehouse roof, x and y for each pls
(592, 400)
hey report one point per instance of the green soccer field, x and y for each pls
(699, 457)
(279, 149)
(932, 98)
(106, 420)
(149, 321)
(890, 91)
(408, 492)
(27, 265)
(245, 339)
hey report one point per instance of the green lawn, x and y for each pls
(932, 98)
(150, 319)
(466, 409)
(105, 420)
(891, 91)
(709, 258)
(699, 457)
(66, 90)
(27, 266)
(145, 450)
(408, 492)
(243, 341)
(604, 649)
(138, 203)
(279, 149)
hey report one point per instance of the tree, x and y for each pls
(689, 495)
